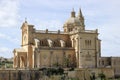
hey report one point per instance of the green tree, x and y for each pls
(102, 76)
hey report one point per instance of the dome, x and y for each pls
(73, 20)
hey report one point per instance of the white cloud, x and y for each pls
(8, 13)
(50, 4)
(102, 14)
(5, 45)
(9, 38)
(50, 25)
(109, 33)
(6, 52)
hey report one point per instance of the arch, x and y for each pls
(41, 42)
(44, 42)
(22, 62)
(69, 43)
(87, 43)
(56, 43)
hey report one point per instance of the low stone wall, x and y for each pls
(77, 74)
(20, 74)
(87, 73)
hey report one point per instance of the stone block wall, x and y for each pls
(79, 74)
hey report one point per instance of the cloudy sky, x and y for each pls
(99, 14)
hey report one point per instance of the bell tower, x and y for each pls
(24, 33)
(27, 42)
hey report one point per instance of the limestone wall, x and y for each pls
(87, 73)
(19, 74)
(79, 74)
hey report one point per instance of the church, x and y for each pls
(73, 47)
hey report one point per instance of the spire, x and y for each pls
(80, 13)
(73, 13)
(73, 10)
(25, 20)
(81, 18)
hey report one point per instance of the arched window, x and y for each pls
(22, 62)
(43, 42)
(88, 43)
(56, 43)
(69, 43)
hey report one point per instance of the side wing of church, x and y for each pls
(74, 47)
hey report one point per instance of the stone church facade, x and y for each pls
(73, 47)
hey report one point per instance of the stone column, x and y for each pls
(64, 56)
(80, 52)
(51, 54)
(14, 63)
(77, 50)
(27, 61)
(33, 56)
(72, 42)
(29, 56)
(77, 60)
(38, 59)
(96, 53)
(18, 63)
